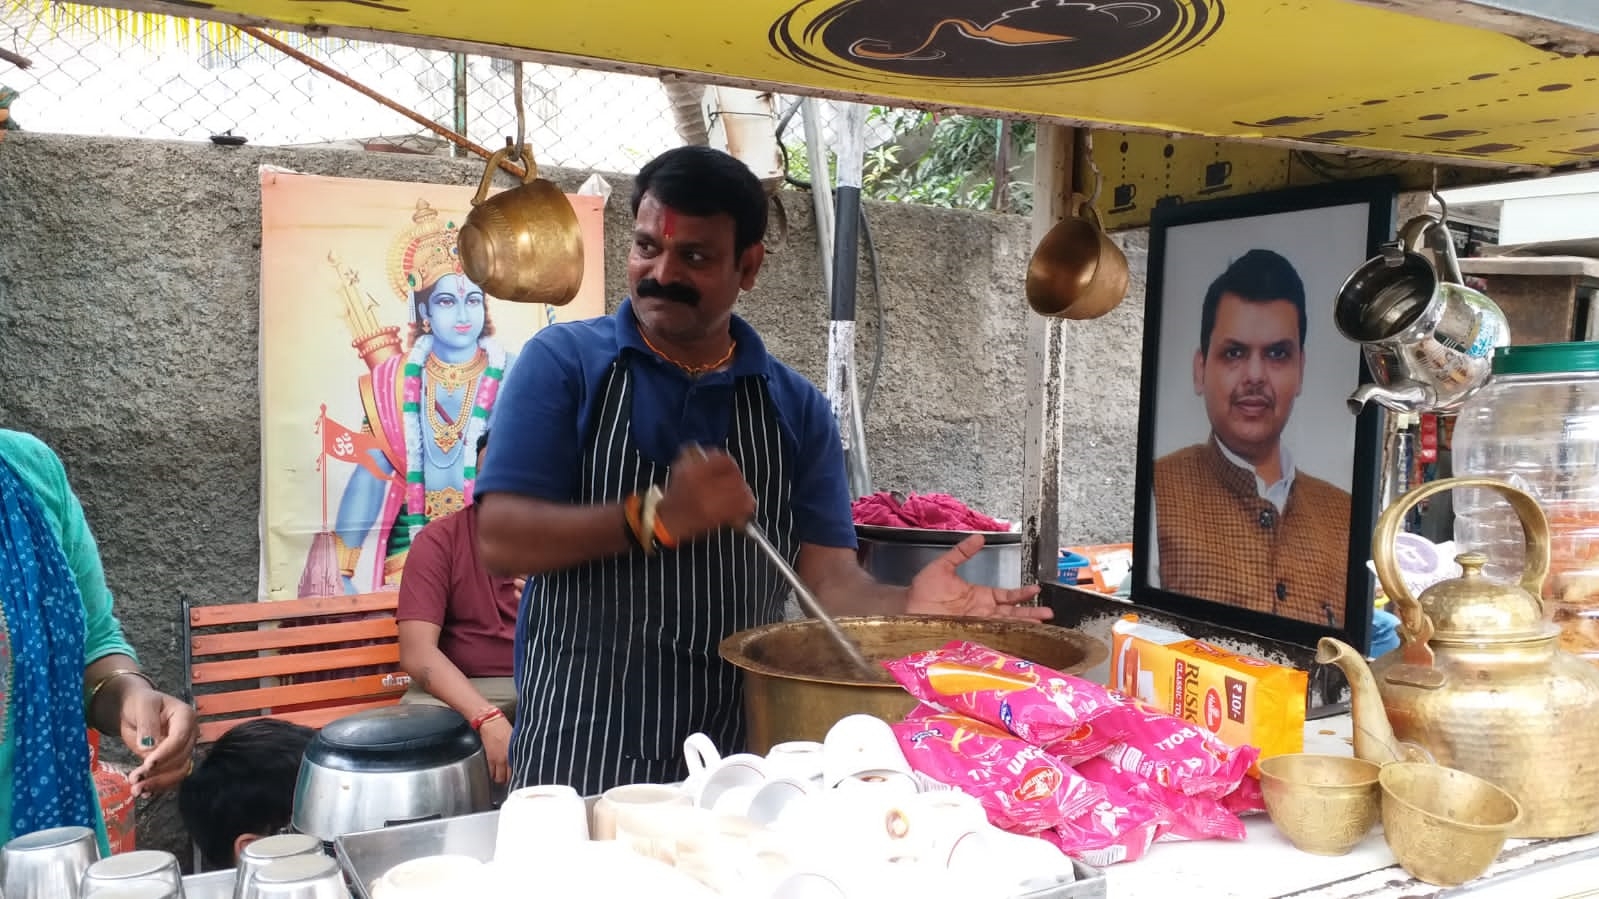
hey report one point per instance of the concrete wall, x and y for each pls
(128, 340)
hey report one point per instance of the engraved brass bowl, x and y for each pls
(796, 684)
(1323, 804)
(1444, 826)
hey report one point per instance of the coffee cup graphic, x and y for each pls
(1217, 177)
(1121, 197)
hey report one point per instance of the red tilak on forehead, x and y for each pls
(668, 223)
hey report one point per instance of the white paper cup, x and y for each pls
(605, 808)
(537, 821)
(654, 829)
(798, 759)
(860, 743)
(742, 770)
(767, 805)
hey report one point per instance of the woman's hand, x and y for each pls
(161, 730)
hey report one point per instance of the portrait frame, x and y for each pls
(1325, 232)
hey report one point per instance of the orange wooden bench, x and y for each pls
(291, 659)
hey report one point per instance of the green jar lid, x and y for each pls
(1547, 358)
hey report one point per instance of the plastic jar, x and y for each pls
(1535, 424)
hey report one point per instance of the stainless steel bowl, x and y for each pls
(265, 851)
(47, 864)
(299, 877)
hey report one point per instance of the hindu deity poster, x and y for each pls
(380, 366)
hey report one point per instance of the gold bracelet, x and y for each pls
(88, 702)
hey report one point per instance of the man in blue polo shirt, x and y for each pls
(627, 452)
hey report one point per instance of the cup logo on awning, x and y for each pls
(999, 42)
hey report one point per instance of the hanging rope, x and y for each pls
(521, 141)
(521, 108)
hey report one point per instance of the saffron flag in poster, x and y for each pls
(380, 366)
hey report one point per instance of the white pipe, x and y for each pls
(821, 187)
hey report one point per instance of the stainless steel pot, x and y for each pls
(896, 555)
(389, 766)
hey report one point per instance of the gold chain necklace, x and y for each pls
(691, 369)
(452, 375)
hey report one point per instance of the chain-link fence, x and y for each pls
(96, 72)
(103, 72)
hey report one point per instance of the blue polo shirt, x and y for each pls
(544, 417)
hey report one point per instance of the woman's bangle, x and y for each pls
(94, 691)
(485, 716)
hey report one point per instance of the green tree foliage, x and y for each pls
(947, 161)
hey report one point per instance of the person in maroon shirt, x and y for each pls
(456, 624)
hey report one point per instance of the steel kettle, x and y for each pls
(1427, 337)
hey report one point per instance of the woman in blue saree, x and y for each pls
(64, 662)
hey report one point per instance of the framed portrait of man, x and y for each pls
(1256, 486)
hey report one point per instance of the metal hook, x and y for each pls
(1443, 207)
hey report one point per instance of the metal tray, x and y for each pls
(367, 856)
(933, 537)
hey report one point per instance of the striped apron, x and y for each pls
(618, 658)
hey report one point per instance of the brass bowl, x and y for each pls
(1323, 804)
(1444, 826)
(795, 687)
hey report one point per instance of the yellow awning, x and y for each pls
(1323, 73)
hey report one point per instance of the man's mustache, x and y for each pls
(676, 292)
(1265, 396)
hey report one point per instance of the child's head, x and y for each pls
(243, 789)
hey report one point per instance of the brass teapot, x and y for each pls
(1478, 681)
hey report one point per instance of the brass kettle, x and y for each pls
(1479, 681)
(523, 244)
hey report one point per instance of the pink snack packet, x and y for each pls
(1182, 817)
(1064, 714)
(1177, 755)
(1119, 829)
(1022, 788)
(1247, 799)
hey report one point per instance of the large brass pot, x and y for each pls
(1479, 682)
(795, 688)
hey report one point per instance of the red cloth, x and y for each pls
(932, 511)
(446, 584)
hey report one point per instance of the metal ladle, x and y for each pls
(808, 599)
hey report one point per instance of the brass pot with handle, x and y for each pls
(523, 244)
(1077, 271)
(1479, 680)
